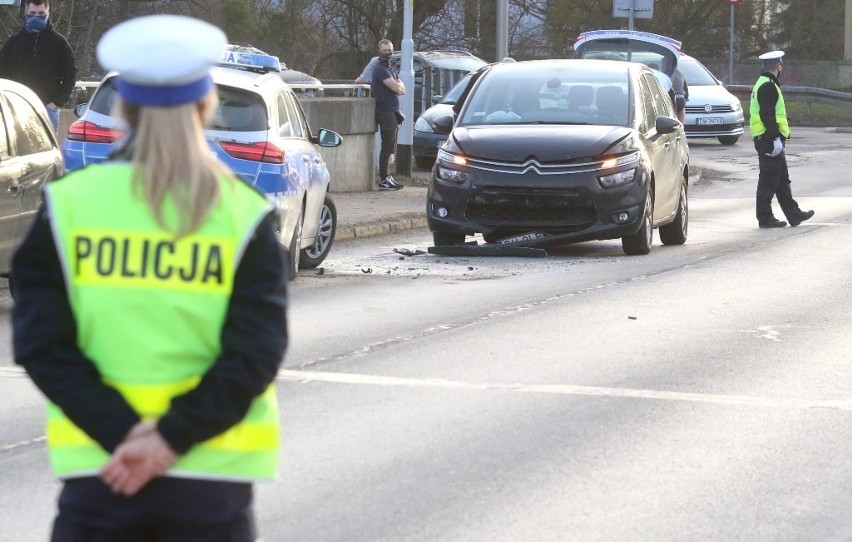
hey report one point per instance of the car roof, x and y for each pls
(603, 66)
(261, 83)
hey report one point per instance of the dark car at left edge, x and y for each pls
(550, 152)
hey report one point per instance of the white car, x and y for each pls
(711, 111)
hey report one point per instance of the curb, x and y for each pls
(399, 223)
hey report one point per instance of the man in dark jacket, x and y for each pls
(40, 58)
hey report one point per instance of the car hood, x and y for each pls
(297, 77)
(710, 94)
(545, 143)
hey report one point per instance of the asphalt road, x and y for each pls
(702, 392)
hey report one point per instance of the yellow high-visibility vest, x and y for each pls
(150, 309)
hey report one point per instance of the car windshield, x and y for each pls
(549, 94)
(453, 95)
(695, 73)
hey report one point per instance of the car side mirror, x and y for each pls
(327, 138)
(437, 99)
(79, 109)
(443, 124)
(666, 125)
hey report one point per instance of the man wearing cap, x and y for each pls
(150, 309)
(770, 129)
(40, 58)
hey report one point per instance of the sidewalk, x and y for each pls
(363, 214)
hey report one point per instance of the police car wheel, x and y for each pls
(315, 254)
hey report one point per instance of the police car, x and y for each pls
(259, 131)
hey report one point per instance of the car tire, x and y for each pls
(314, 255)
(728, 140)
(424, 162)
(675, 232)
(441, 239)
(639, 243)
(294, 252)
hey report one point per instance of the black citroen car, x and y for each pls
(552, 152)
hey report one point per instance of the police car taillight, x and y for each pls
(89, 132)
(256, 152)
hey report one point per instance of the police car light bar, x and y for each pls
(250, 61)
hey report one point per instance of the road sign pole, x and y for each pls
(731, 50)
(632, 11)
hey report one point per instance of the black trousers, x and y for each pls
(388, 128)
(774, 181)
(165, 510)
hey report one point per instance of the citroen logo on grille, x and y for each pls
(708, 108)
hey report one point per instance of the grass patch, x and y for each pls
(812, 114)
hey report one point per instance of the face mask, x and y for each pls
(384, 56)
(35, 23)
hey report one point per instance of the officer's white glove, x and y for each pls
(777, 148)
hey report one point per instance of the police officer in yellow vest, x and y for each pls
(770, 129)
(150, 299)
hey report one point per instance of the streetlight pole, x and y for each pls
(503, 30)
(731, 49)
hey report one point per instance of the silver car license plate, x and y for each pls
(710, 120)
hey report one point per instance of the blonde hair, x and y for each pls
(171, 159)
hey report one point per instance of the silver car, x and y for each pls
(711, 111)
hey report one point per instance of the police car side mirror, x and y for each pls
(327, 138)
(443, 124)
(79, 109)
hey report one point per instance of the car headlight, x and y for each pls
(422, 125)
(617, 179)
(736, 106)
(453, 175)
(620, 161)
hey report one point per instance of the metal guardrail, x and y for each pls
(801, 94)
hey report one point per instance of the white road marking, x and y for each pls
(766, 332)
(566, 389)
(22, 443)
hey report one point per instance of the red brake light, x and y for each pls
(83, 130)
(257, 152)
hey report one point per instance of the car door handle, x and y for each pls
(13, 188)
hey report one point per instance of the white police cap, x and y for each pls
(162, 60)
(772, 57)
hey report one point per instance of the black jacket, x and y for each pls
(42, 61)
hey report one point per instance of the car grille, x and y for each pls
(699, 109)
(547, 209)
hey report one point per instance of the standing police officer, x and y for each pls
(770, 129)
(150, 309)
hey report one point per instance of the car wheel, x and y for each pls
(640, 242)
(295, 243)
(728, 140)
(424, 162)
(442, 238)
(316, 253)
(675, 232)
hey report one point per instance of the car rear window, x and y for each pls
(238, 111)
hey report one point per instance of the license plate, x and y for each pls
(523, 238)
(710, 120)
(439, 142)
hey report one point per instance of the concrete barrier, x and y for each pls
(352, 164)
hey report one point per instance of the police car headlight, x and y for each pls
(422, 125)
